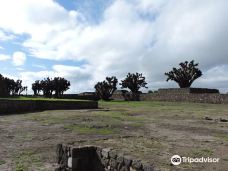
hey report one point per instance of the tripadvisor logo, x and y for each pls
(176, 160)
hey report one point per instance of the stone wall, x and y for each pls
(196, 95)
(20, 106)
(195, 98)
(125, 95)
(186, 90)
(91, 158)
(82, 96)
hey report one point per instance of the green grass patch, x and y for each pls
(201, 153)
(119, 115)
(23, 161)
(2, 162)
(196, 110)
(46, 119)
(225, 159)
(82, 129)
(40, 98)
(222, 136)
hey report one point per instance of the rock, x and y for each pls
(120, 159)
(113, 154)
(105, 152)
(105, 162)
(208, 118)
(136, 164)
(113, 163)
(127, 162)
(98, 152)
(148, 168)
(131, 169)
(69, 163)
(223, 120)
(59, 153)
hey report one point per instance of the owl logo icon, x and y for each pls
(176, 160)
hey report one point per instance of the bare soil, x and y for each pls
(150, 131)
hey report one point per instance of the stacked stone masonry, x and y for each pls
(195, 95)
(20, 106)
(91, 158)
(186, 90)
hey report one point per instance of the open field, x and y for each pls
(151, 131)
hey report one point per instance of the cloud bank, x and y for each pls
(148, 36)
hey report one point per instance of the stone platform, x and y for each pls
(22, 106)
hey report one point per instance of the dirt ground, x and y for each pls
(150, 131)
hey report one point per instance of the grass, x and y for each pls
(225, 159)
(24, 159)
(39, 98)
(201, 153)
(183, 108)
(222, 136)
(82, 129)
(119, 115)
(2, 162)
(112, 118)
(148, 130)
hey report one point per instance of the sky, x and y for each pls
(86, 40)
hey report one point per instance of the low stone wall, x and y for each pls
(186, 90)
(91, 158)
(20, 106)
(81, 96)
(196, 98)
(196, 95)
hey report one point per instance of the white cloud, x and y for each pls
(19, 58)
(215, 77)
(139, 35)
(4, 57)
(5, 37)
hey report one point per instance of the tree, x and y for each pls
(105, 89)
(60, 85)
(3, 87)
(185, 75)
(150, 91)
(10, 87)
(134, 82)
(49, 86)
(36, 87)
(17, 87)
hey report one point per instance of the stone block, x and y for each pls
(136, 164)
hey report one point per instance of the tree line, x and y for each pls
(106, 88)
(185, 75)
(56, 86)
(10, 87)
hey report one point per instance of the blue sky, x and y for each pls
(85, 41)
(91, 9)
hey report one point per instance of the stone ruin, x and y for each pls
(194, 95)
(92, 158)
